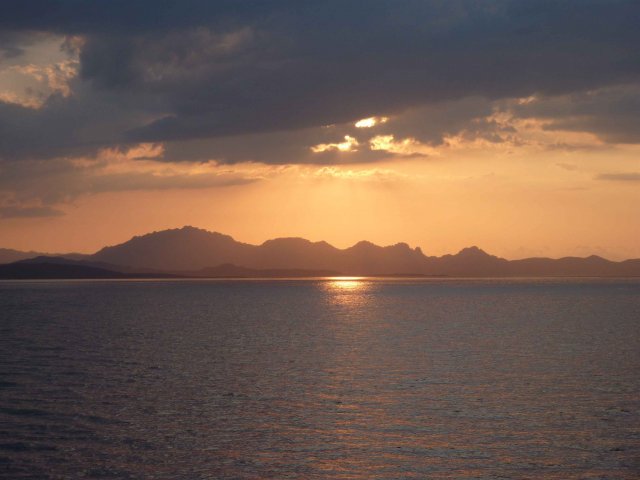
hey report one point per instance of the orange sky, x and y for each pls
(519, 169)
(511, 203)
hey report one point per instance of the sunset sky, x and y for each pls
(511, 125)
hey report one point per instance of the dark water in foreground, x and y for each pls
(320, 379)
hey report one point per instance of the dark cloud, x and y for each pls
(77, 125)
(613, 114)
(29, 212)
(229, 71)
(277, 147)
(326, 65)
(428, 124)
(11, 45)
(432, 123)
(148, 181)
(121, 16)
(35, 187)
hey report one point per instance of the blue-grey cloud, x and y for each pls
(168, 71)
(613, 114)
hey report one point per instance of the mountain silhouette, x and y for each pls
(48, 267)
(189, 249)
(49, 270)
(8, 255)
(193, 252)
(185, 249)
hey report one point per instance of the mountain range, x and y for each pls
(193, 252)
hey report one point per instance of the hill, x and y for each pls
(47, 267)
(44, 270)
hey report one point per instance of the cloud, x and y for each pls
(40, 187)
(317, 145)
(228, 70)
(29, 212)
(620, 177)
(415, 132)
(36, 82)
(567, 166)
(612, 113)
(11, 44)
(118, 182)
(381, 175)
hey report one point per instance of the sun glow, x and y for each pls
(370, 122)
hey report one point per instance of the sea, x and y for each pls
(334, 378)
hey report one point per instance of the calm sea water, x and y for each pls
(336, 379)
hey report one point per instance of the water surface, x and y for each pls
(340, 379)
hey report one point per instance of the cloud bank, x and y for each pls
(272, 82)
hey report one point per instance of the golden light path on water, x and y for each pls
(346, 283)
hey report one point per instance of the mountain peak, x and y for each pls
(186, 231)
(402, 245)
(287, 241)
(364, 244)
(473, 251)
(189, 228)
(173, 249)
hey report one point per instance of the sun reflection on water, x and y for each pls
(352, 292)
(346, 283)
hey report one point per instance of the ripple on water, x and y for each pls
(347, 378)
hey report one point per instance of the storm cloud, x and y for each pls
(236, 81)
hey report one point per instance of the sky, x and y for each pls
(510, 125)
